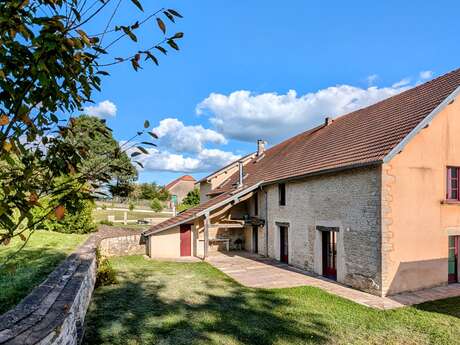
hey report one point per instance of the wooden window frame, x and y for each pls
(282, 194)
(449, 184)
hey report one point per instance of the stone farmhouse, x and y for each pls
(370, 198)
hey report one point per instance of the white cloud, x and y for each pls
(402, 82)
(205, 161)
(247, 116)
(372, 79)
(176, 136)
(103, 109)
(425, 75)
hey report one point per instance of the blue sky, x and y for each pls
(268, 69)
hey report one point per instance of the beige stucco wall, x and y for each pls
(415, 222)
(181, 189)
(166, 244)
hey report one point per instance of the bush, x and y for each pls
(78, 218)
(103, 206)
(156, 205)
(131, 206)
(106, 222)
(105, 274)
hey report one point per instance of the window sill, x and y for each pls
(450, 202)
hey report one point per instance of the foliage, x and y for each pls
(78, 218)
(131, 206)
(50, 66)
(192, 199)
(101, 147)
(105, 274)
(30, 266)
(152, 191)
(106, 222)
(156, 205)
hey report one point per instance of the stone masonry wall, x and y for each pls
(124, 245)
(54, 312)
(349, 200)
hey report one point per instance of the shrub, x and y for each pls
(106, 222)
(156, 205)
(78, 218)
(104, 206)
(105, 274)
(131, 206)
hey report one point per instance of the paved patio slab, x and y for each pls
(258, 272)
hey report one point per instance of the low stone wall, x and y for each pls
(120, 246)
(54, 312)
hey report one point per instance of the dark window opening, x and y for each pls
(282, 194)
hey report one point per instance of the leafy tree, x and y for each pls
(152, 191)
(101, 146)
(191, 199)
(49, 67)
(156, 205)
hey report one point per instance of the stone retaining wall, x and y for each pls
(54, 312)
(125, 245)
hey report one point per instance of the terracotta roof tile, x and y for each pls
(362, 137)
(182, 178)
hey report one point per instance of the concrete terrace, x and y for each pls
(252, 270)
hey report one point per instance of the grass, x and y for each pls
(102, 215)
(44, 251)
(157, 302)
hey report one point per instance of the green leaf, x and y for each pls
(151, 57)
(134, 154)
(170, 16)
(140, 164)
(143, 150)
(161, 49)
(146, 124)
(178, 35)
(148, 143)
(153, 135)
(175, 13)
(161, 25)
(138, 4)
(172, 44)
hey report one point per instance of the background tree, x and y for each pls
(150, 191)
(191, 199)
(101, 147)
(50, 65)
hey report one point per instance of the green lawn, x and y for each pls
(157, 302)
(44, 251)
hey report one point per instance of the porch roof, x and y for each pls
(201, 210)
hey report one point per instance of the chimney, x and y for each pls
(327, 121)
(240, 168)
(260, 147)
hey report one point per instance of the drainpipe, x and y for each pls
(266, 220)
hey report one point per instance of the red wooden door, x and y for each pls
(330, 254)
(185, 240)
(284, 244)
(453, 259)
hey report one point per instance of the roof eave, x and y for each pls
(425, 122)
(206, 211)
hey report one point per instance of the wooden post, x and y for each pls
(206, 234)
(125, 218)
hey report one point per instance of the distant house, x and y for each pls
(180, 187)
(371, 198)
